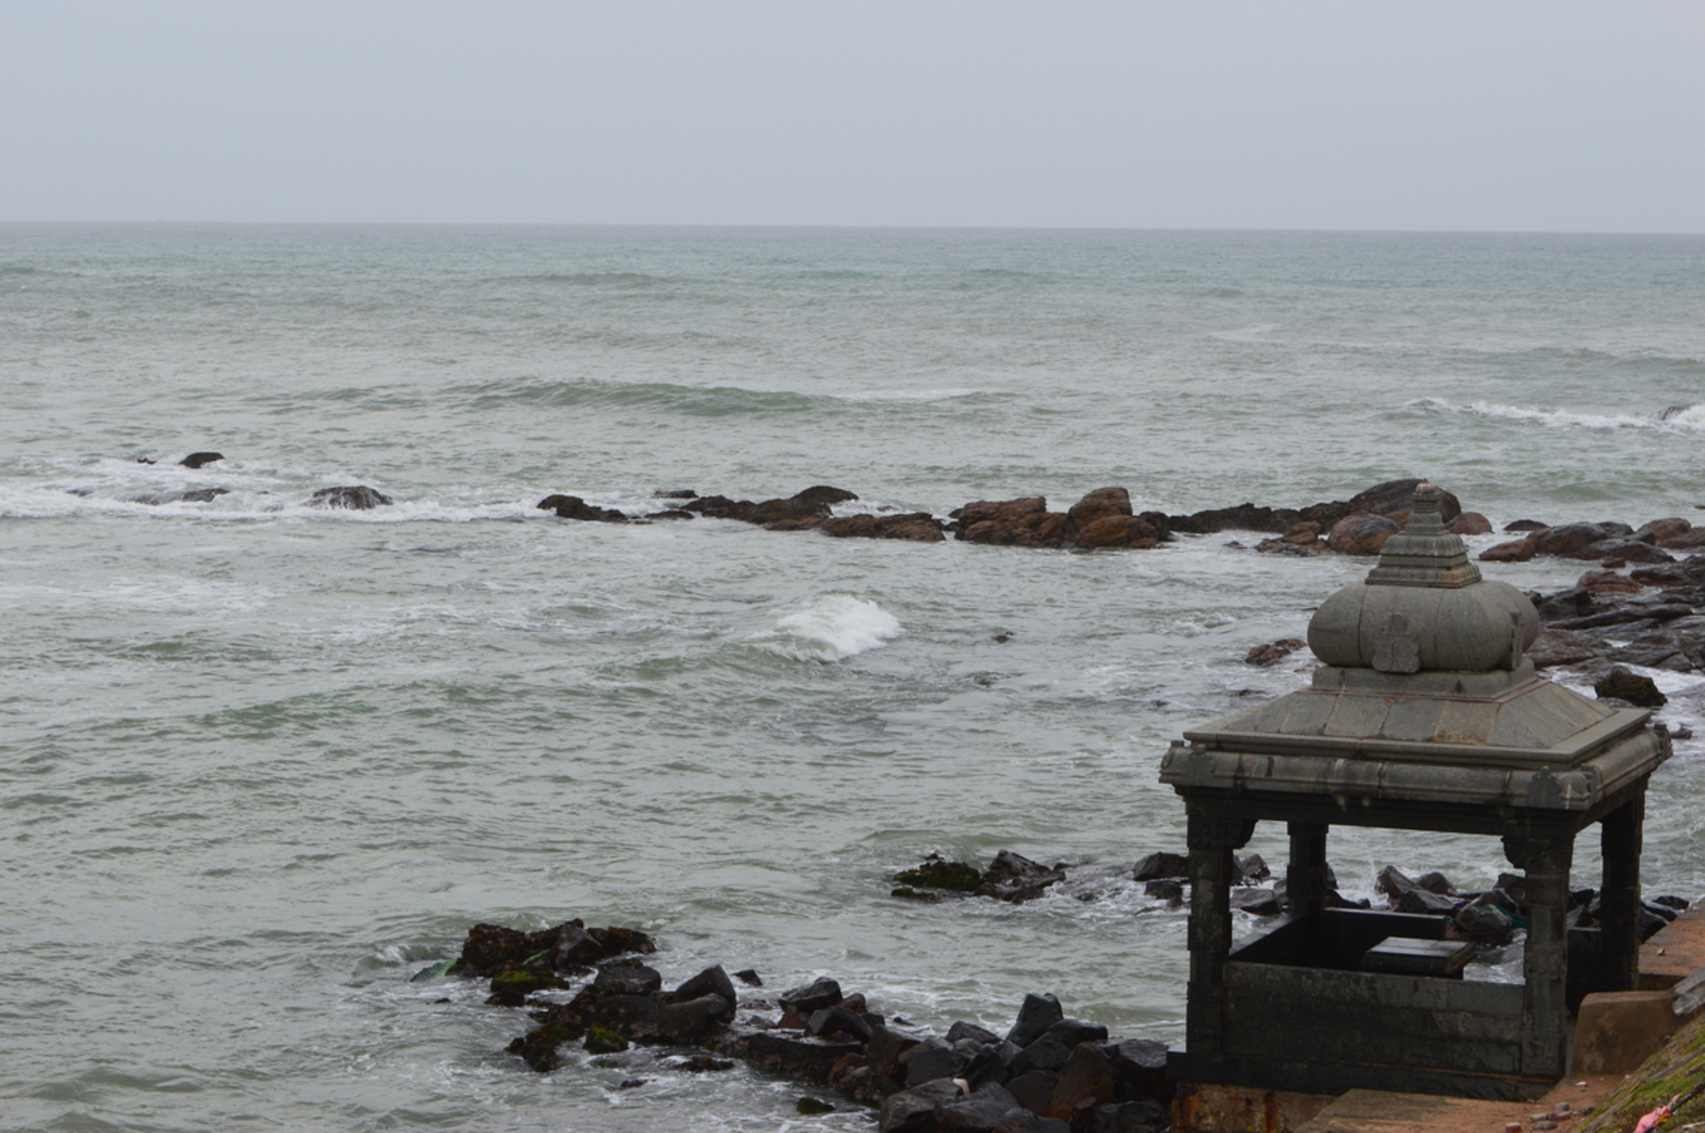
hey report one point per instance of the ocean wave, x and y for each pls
(619, 279)
(699, 401)
(1674, 418)
(832, 628)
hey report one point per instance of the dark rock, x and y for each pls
(627, 977)
(1169, 889)
(711, 981)
(489, 949)
(1669, 901)
(1015, 878)
(573, 507)
(838, 1023)
(621, 941)
(749, 977)
(1361, 534)
(800, 511)
(1042, 1054)
(1253, 868)
(1070, 1032)
(916, 527)
(979, 1113)
(934, 1059)
(1639, 691)
(201, 495)
(962, 1030)
(575, 947)
(688, 1021)
(810, 1107)
(814, 996)
(1033, 1089)
(1625, 551)
(1274, 652)
(721, 507)
(1420, 901)
(1607, 582)
(200, 459)
(1087, 1077)
(1393, 498)
(1257, 902)
(913, 1110)
(885, 1049)
(356, 497)
(705, 1064)
(1393, 883)
(1526, 525)
(1141, 1064)
(1035, 1016)
(671, 513)
(675, 494)
(1484, 924)
(793, 1056)
(934, 873)
(1103, 503)
(1570, 539)
(986, 1066)
(1436, 882)
(511, 988)
(1161, 865)
(538, 1047)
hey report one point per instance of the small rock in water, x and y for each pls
(749, 977)
(810, 1106)
(356, 497)
(1272, 654)
(197, 459)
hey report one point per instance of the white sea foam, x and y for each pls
(1683, 418)
(831, 628)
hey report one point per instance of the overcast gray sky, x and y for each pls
(1549, 116)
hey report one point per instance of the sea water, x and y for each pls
(262, 763)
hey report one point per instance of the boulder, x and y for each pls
(1361, 534)
(1141, 1064)
(1666, 531)
(1608, 582)
(711, 981)
(961, 1031)
(1470, 523)
(814, 996)
(573, 507)
(913, 1110)
(200, 459)
(1071, 1032)
(1103, 503)
(934, 1059)
(1168, 889)
(356, 497)
(1621, 684)
(1274, 652)
(686, 1022)
(1023, 522)
(1570, 539)
(1161, 864)
(1393, 497)
(1033, 1089)
(801, 1058)
(838, 1022)
(915, 527)
(1041, 1054)
(627, 977)
(1525, 525)
(885, 1048)
(978, 1113)
(1625, 551)
(1515, 551)
(489, 949)
(1015, 878)
(1257, 902)
(1087, 1077)
(1422, 902)
(1128, 531)
(1035, 1016)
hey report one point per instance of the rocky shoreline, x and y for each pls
(1048, 1073)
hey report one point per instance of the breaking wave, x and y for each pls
(831, 628)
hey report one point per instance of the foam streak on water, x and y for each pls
(261, 762)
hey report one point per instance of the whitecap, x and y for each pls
(830, 628)
(1675, 418)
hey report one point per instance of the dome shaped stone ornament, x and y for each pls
(1425, 715)
(1424, 607)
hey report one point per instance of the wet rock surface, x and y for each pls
(1011, 877)
(356, 497)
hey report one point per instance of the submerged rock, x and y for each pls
(916, 527)
(199, 459)
(356, 497)
(573, 507)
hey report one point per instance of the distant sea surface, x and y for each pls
(262, 763)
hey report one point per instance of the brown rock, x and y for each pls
(1088, 1075)
(1665, 531)
(1639, 691)
(1607, 582)
(1103, 503)
(1362, 534)
(1117, 531)
(916, 527)
(1392, 499)
(1516, 551)
(1273, 652)
(1663, 576)
(1470, 523)
(1305, 532)
(1570, 539)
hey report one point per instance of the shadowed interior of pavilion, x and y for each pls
(1424, 716)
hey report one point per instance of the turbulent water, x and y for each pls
(261, 763)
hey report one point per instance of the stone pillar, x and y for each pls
(1212, 841)
(1620, 836)
(1305, 876)
(1545, 856)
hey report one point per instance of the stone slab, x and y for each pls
(1380, 1111)
(1675, 952)
(1618, 1030)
